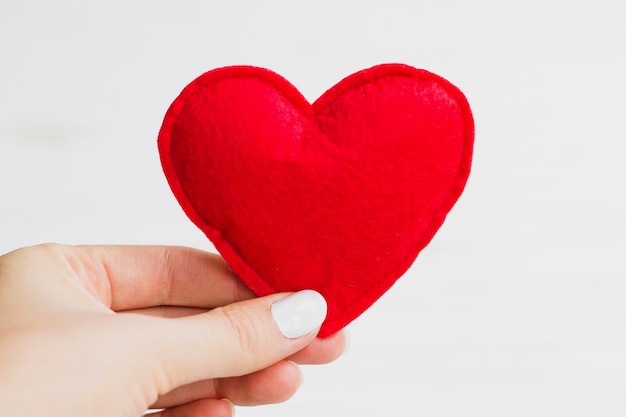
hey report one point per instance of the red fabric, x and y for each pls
(339, 196)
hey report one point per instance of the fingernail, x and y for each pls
(348, 337)
(231, 405)
(295, 365)
(299, 313)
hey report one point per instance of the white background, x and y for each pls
(515, 309)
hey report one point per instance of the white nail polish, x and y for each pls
(299, 313)
(231, 405)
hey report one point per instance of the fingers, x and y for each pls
(205, 407)
(169, 312)
(319, 351)
(131, 277)
(267, 386)
(237, 339)
(322, 351)
(271, 385)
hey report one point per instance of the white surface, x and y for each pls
(515, 309)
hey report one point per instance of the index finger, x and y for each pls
(132, 277)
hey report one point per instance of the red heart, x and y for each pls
(339, 196)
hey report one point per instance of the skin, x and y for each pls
(113, 331)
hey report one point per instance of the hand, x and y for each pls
(113, 331)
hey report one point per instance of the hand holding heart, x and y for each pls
(339, 196)
(111, 331)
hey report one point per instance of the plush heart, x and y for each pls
(339, 196)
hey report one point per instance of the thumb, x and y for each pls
(240, 338)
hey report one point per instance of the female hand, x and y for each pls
(113, 331)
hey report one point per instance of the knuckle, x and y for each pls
(26, 256)
(244, 328)
(41, 249)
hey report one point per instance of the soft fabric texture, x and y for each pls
(339, 196)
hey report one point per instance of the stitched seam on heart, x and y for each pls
(432, 224)
(348, 84)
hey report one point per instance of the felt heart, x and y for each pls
(339, 196)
